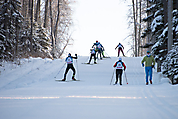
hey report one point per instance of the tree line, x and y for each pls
(34, 28)
(154, 25)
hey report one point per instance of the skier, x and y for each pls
(93, 54)
(120, 48)
(98, 48)
(119, 69)
(149, 64)
(69, 61)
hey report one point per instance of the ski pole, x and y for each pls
(112, 76)
(108, 55)
(77, 70)
(60, 70)
(125, 77)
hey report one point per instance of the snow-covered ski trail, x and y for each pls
(30, 91)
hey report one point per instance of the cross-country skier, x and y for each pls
(98, 48)
(120, 65)
(69, 61)
(120, 48)
(149, 64)
(93, 54)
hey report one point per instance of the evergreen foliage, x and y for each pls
(11, 21)
(170, 64)
(16, 40)
(159, 32)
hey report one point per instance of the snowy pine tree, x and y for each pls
(42, 44)
(170, 65)
(11, 21)
(159, 33)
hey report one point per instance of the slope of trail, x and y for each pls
(30, 91)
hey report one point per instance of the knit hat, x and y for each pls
(69, 55)
(148, 51)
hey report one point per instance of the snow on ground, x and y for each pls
(29, 91)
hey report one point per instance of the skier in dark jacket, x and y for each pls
(69, 61)
(120, 48)
(93, 54)
(119, 69)
(99, 48)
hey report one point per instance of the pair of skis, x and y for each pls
(90, 64)
(59, 80)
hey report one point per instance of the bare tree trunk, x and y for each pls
(135, 27)
(5, 24)
(170, 32)
(37, 15)
(53, 45)
(139, 33)
(165, 11)
(57, 21)
(46, 14)
(148, 25)
(31, 33)
(17, 38)
(29, 8)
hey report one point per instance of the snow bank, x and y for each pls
(29, 91)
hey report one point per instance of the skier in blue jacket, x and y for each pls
(99, 48)
(69, 61)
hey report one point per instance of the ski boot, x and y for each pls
(64, 79)
(73, 78)
(150, 81)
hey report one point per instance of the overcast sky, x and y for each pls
(102, 20)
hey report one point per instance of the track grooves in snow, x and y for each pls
(30, 91)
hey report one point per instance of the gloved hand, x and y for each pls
(76, 55)
(153, 66)
(143, 65)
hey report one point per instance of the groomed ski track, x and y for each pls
(31, 92)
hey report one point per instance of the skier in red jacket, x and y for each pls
(119, 69)
(120, 48)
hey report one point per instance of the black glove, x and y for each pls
(153, 66)
(76, 55)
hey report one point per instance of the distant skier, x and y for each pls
(119, 69)
(93, 54)
(69, 61)
(98, 48)
(120, 48)
(149, 64)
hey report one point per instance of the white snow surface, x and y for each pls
(29, 91)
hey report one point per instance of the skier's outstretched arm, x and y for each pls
(75, 56)
(116, 47)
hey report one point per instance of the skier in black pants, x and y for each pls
(119, 69)
(69, 61)
(93, 54)
(98, 48)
